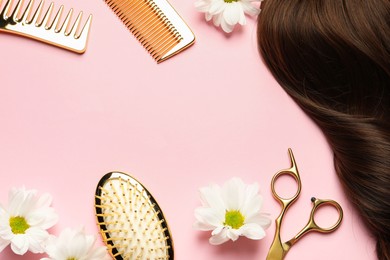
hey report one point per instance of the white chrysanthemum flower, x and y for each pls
(228, 13)
(74, 245)
(24, 223)
(231, 211)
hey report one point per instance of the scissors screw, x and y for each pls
(313, 199)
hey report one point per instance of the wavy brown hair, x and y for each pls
(333, 58)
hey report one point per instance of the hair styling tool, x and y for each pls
(278, 248)
(131, 222)
(41, 29)
(157, 26)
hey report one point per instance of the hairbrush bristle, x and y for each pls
(131, 222)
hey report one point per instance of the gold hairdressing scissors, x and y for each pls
(279, 249)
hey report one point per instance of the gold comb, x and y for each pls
(131, 223)
(156, 24)
(41, 29)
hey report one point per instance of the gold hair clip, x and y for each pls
(157, 26)
(41, 29)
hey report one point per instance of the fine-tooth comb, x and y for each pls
(156, 24)
(41, 29)
(131, 223)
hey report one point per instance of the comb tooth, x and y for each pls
(139, 18)
(148, 29)
(150, 43)
(148, 9)
(144, 18)
(37, 13)
(84, 32)
(115, 5)
(129, 4)
(6, 9)
(150, 26)
(156, 45)
(26, 13)
(56, 19)
(150, 14)
(15, 13)
(164, 50)
(134, 11)
(111, 3)
(153, 34)
(168, 41)
(46, 17)
(163, 33)
(76, 25)
(159, 26)
(65, 25)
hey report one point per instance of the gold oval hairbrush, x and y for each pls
(131, 222)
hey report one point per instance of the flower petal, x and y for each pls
(233, 234)
(3, 244)
(220, 238)
(44, 218)
(209, 216)
(36, 238)
(231, 14)
(99, 254)
(16, 199)
(44, 200)
(217, 230)
(233, 190)
(260, 219)
(212, 197)
(19, 244)
(203, 226)
(252, 207)
(79, 246)
(217, 19)
(252, 231)
(249, 8)
(216, 7)
(252, 201)
(5, 230)
(242, 20)
(75, 243)
(202, 5)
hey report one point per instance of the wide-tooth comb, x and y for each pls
(41, 29)
(130, 221)
(155, 23)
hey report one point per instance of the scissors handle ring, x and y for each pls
(293, 173)
(318, 203)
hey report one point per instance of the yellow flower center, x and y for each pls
(234, 219)
(18, 225)
(230, 1)
(71, 258)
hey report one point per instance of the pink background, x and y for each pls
(204, 116)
